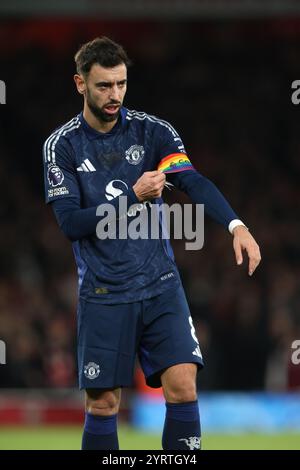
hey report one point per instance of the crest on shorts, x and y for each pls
(135, 154)
(91, 370)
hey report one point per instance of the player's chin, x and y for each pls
(109, 117)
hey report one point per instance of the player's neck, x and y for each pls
(100, 126)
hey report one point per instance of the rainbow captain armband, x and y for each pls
(174, 163)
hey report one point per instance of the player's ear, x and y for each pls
(80, 83)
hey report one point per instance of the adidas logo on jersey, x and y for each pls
(197, 352)
(86, 166)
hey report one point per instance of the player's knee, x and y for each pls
(103, 403)
(181, 395)
(179, 383)
(181, 392)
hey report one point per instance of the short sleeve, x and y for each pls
(59, 170)
(172, 157)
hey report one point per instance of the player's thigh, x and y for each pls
(168, 337)
(107, 337)
(102, 401)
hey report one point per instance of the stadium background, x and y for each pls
(221, 73)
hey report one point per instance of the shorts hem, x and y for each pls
(153, 379)
(105, 386)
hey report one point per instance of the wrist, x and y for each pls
(133, 197)
(234, 224)
(136, 193)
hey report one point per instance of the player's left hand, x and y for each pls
(243, 240)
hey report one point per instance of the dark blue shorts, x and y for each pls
(160, 330)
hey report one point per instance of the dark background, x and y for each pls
(225, 85)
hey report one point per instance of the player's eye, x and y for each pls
(102, 87)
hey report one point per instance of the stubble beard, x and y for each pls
(99, 114)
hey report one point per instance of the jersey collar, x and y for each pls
(93, 134)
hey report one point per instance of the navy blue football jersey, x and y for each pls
(95, 168)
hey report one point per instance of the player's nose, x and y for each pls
(115, 93)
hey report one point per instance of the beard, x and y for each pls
(100, 113)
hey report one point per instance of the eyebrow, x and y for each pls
(109, 84)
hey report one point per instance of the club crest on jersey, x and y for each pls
(135, 154)
(55, 175)
(91, 370)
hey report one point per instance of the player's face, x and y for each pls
(105, 91)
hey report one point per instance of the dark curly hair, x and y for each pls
(102, 51)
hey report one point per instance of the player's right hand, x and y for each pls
(150, 185)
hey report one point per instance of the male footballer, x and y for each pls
(131, 300)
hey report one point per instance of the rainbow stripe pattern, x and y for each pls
(174, 163)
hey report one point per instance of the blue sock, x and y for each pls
(182, 427)
(100, 433)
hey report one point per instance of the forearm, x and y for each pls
(77, 223)
(202, 191)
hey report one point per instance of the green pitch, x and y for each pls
(62, 437)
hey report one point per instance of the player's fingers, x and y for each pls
(160, 175)
(153, 173)
(254, 259)
(159, 179)
(238, 252)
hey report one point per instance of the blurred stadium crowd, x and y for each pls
(226, 88)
